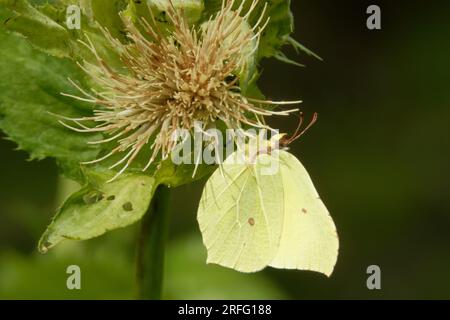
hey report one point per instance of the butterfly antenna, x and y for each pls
(299, 133)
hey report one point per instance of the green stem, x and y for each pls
(151, 246)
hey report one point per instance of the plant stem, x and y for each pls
(151, 246)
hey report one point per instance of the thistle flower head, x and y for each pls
(174, 78)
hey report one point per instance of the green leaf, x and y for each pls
(97, 209)
(277, 32)
(192, 9)
(106, 13)
(30, 99)
(177, 175)
(280, 26)
(103, 206)
(94, 14)
(44, 26)
(140, 9)
(266, 214)
(44, 33)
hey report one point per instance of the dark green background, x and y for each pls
(379, 156)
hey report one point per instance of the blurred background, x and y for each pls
(379, 157)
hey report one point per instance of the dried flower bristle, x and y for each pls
(190, 75)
